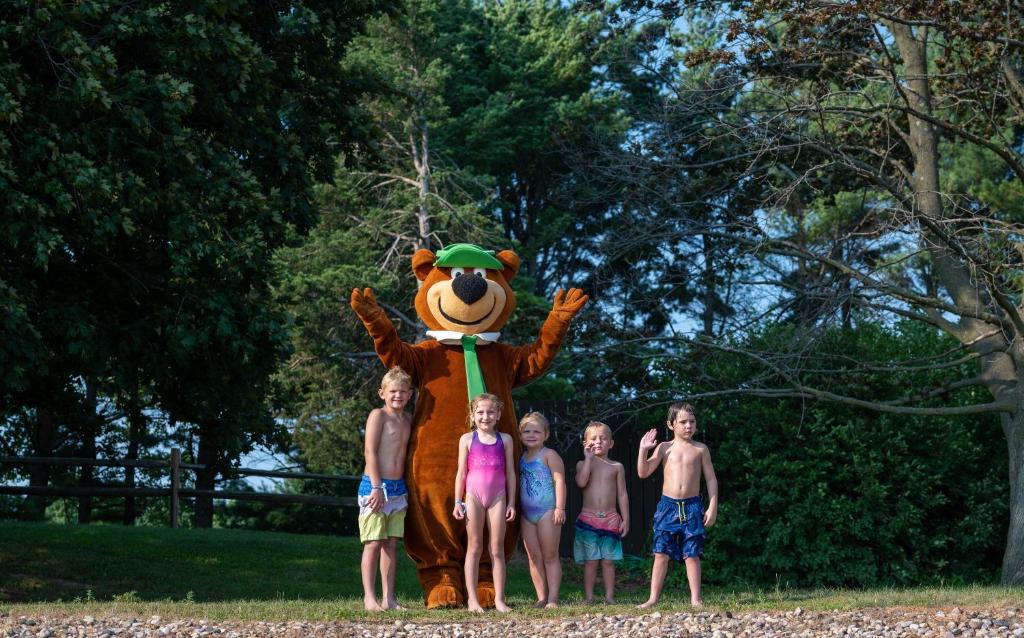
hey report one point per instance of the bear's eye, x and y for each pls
(480, 272)
(458, 272)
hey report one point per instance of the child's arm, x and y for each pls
(645, 463)
(622, 498)
(712, 481)
(583, 467)
(557, 467)
(510, 480)
(459, 511)
(374, 427)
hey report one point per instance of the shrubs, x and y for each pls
(823, 494)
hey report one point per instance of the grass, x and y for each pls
(235, 574)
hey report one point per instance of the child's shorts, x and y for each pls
(679, 528)
(597, 536)
(388, 521)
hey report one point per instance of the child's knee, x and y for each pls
(549, 555)
(607, 564)
(497, 552)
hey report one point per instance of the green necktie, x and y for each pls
(474, 376)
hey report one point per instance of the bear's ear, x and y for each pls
(510, 261)
(422, 263)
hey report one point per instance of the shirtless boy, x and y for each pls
(604, 518)
(680, 519)
(382, 494)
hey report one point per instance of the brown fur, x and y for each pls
(434, 539)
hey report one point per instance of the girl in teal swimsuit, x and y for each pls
(485, 490)
(542, 493)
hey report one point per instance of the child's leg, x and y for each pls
(693, 577)
(371, 556)
(549, 535)
(535, 555)
(388, 567)
(608, 575)
(475, 515)
(589, 578)
(658, 573)
(496, 546)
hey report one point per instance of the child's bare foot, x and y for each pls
(476, 608)
(370, 604)
(588, 601)
(501, 606)
(696, 603)
(551, 606)
(609, 601)
(539, 604)
(395, 606)
(647, 605)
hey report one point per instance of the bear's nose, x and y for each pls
(469, 288)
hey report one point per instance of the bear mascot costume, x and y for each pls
(464, 299)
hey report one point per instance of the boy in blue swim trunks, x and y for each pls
(680, 519)
(382, 494)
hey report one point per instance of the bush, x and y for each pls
(824, 494)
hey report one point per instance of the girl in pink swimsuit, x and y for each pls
(485, 491)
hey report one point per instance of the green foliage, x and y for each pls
(823, 494)
(479, 105)
(152, 156)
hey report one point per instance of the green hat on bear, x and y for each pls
(466, 256)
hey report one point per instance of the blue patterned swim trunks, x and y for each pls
(679, 528)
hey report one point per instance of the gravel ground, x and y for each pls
(867, 622)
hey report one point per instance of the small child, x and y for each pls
(542, 492)
(604, 517)
(679, 519)
(382, 494)
(486, 479)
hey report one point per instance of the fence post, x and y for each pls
(175, 484)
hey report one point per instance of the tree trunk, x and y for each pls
(1013, 558)
(421, 160)
(90, 431)
(999, 351)
(136, 426)
(206, 477)
(44, 433)
(710, 289)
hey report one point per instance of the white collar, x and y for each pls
(452, 338)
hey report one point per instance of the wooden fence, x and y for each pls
(175, 492)
(643, 494)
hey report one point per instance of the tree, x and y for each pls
(481, 104)
(152, 158)
(896, 130)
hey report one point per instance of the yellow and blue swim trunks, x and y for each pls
(388, 521)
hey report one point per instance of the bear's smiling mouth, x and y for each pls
(494, 302)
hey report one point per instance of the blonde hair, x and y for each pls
(395, 375)
(539, 419)
(593, 425)
(483, 396)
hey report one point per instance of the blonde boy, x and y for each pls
(604, 518)
(680, 519)
(382, 493)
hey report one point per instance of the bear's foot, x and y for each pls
(485, 594)
(445, 593)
